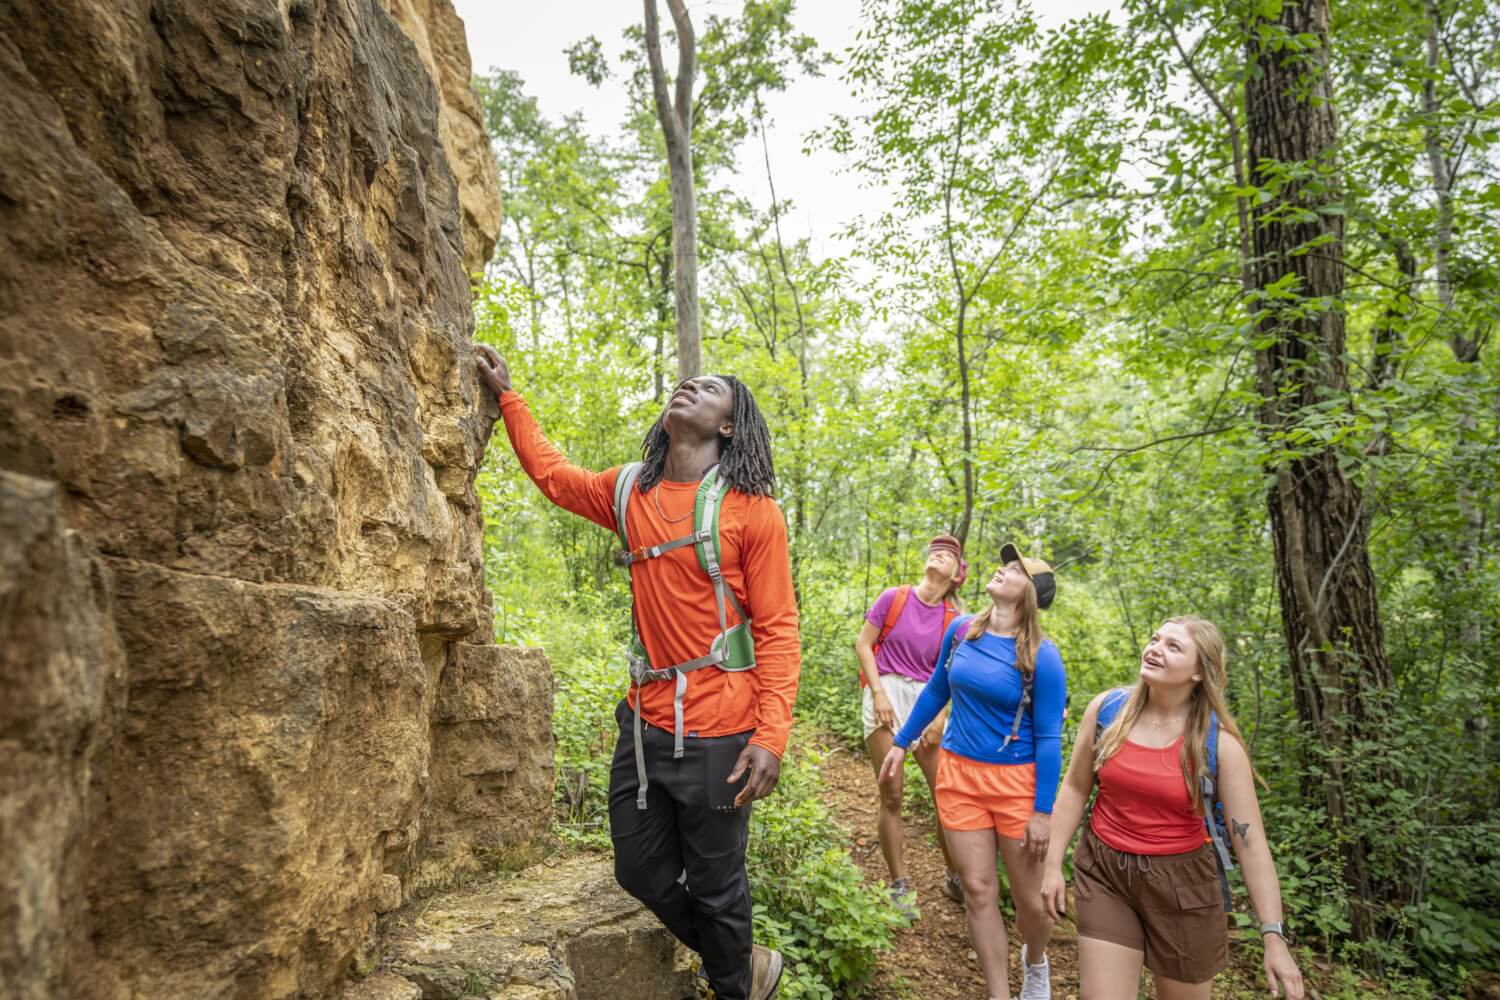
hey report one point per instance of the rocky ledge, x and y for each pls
(560, 930)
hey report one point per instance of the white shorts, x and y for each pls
(901, 690)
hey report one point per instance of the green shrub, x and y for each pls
(811, 900)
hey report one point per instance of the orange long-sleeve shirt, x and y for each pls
(674, 600)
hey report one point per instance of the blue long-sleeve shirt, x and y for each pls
(986, 687)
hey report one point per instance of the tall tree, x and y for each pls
(1329, 608)
(676, 115)
(979, 159)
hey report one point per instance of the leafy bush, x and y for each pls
(811, 900)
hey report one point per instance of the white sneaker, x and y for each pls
(1036, 980)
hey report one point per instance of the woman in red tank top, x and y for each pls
(1146, 880)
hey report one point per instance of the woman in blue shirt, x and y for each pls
(1000, 762)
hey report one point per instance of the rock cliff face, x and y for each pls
(241, 591)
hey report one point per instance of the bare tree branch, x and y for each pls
(687, 64)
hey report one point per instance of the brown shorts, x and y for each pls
(1169, 906)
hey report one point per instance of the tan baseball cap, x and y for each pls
(1041, 575)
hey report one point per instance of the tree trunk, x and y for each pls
(966, 408)
(799, 470)
(663, 264)
(1335, 642)
(676, 118)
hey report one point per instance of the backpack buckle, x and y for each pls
(626, 558)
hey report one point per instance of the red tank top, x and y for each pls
(1143, 805)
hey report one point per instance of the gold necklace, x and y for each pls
(656, 499)
(1166, 722)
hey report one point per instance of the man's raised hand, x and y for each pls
(492, 370)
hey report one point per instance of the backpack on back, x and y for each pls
(893, 615)
(1213, 822)
(732, 649)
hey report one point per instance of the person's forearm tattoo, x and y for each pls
(1241, 830)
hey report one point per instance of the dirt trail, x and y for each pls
(932, 959)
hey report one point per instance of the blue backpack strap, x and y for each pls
(1109, 708)
(1213, 820)
(1211, 749)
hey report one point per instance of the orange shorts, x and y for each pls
(976, 796)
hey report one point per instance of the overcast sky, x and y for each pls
(530, 39)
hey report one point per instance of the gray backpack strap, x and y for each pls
(1028, 681)
(1216, 834)
(625, 483)
(630, 474)
(640, 756)
(645, 552)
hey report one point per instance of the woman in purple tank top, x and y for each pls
(897, 650)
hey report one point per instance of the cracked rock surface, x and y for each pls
(561, 930)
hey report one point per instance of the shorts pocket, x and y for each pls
(1085, 856)
(1199, 896)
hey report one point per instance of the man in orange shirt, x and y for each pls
(711, 733)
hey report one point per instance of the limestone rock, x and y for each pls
(438, 33)
(61, 662)
(562, 930)
(234, 315)
(239, 430)
(387, 894)
(274, 736)
(383, 985)
(491, 761)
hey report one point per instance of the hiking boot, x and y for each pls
(905, 898)
(953, 887)
(1036, 980)
(765, 972)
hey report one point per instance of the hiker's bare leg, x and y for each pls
(1172, 989)
(1108, 971)
(974, 852)
(1024, 872)
(888, 823)
(927, 760)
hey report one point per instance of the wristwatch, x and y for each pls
(1273, 927)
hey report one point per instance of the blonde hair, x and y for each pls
(1207, 697)
(1028, 630)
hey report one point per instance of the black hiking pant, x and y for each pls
(683, 856)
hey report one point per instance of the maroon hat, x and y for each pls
(950, 544)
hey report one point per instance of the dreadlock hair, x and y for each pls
(744, 457)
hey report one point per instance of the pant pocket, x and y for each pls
(718, 763)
